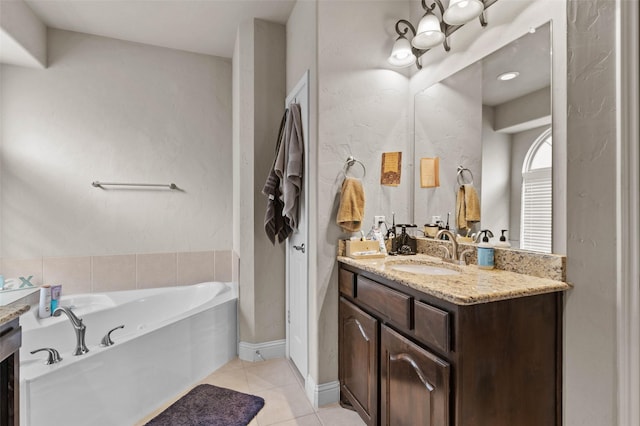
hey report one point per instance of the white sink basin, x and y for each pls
(416, 268)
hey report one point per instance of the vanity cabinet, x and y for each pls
(10, 341)
(409, 358)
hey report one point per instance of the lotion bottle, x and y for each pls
(44, 307)
(503, 243)
(485, 253)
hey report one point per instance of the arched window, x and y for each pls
(536, 220)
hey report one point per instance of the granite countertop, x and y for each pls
(7, 313)
(471, 286)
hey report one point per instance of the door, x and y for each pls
(297, 252)
(414, 383)
(358, 360)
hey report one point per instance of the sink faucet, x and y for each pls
(78, 326)
(452, 238)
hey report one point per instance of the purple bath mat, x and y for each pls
(208, 405)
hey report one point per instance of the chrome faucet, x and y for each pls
(78, 326)
(452, 238)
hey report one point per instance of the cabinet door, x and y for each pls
(358, 360)
(414, 388)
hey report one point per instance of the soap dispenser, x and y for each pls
(485, 252)
(503, 243)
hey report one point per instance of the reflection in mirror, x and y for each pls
(493, 118)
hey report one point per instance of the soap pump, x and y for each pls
(485, 252)
(503, 243)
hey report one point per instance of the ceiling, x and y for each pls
(530, 55)
(201, 26)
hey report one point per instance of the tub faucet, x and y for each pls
(452, 238)
(78, 326)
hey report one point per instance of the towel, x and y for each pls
(290, 163)
(275, 226)
(351, 210)
(467, 206)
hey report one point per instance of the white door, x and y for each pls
(298, 250)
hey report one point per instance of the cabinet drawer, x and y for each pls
(392, 305)
(346, 282)
(432, 326)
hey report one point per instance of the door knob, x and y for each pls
(300, 247)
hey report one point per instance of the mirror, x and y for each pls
(499, 131)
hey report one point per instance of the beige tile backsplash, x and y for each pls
(84, 274)
(113, 273)
(74, 272)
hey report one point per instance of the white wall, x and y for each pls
(496, 177)
(259, 93)
(590, 350)
(115, 111)
(363, 111)
(448, 125)
(23, 36)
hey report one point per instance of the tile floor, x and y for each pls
(281, 386)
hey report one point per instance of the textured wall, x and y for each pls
(259, 92)
(115, 111)
(590, 312)
(362, 110)
(448, 124)
(301, 56)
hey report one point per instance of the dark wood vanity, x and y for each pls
(409, 358)
(10, 341)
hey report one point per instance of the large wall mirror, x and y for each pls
(493, 119)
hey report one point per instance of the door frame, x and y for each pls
(301, 87)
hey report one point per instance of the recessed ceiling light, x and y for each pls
(510, 75)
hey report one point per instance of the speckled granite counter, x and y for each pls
(7, 313)
(471, 286)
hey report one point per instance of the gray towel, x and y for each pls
(289, 165)
(275, 226)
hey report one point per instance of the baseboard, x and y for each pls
(322, 394)
(256, 352)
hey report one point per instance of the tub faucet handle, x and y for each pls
(53, 357)
(106, 340)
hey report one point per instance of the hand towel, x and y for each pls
(290, 163)
(351, 210)
(467, 206)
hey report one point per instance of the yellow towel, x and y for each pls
(467, 206)
(351, 210)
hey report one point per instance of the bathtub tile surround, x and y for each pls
(110, 273)
(156, 270)
(74, 272)
(195, 267)
(86, 274)
(285, 403)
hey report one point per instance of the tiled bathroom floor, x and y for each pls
(282, 388)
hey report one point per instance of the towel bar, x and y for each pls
(99, 184)
(350, 161)
(460, 176)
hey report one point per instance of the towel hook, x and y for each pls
(460, 176)
(350, 161)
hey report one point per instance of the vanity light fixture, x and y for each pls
(509, 75)
(432, 30)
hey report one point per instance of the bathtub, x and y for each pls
(173, 337)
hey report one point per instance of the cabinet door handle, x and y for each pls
(359, 326)
(407, 358)
(300, 247)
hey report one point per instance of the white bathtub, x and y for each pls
(173, 337)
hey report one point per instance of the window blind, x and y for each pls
(536, 220)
